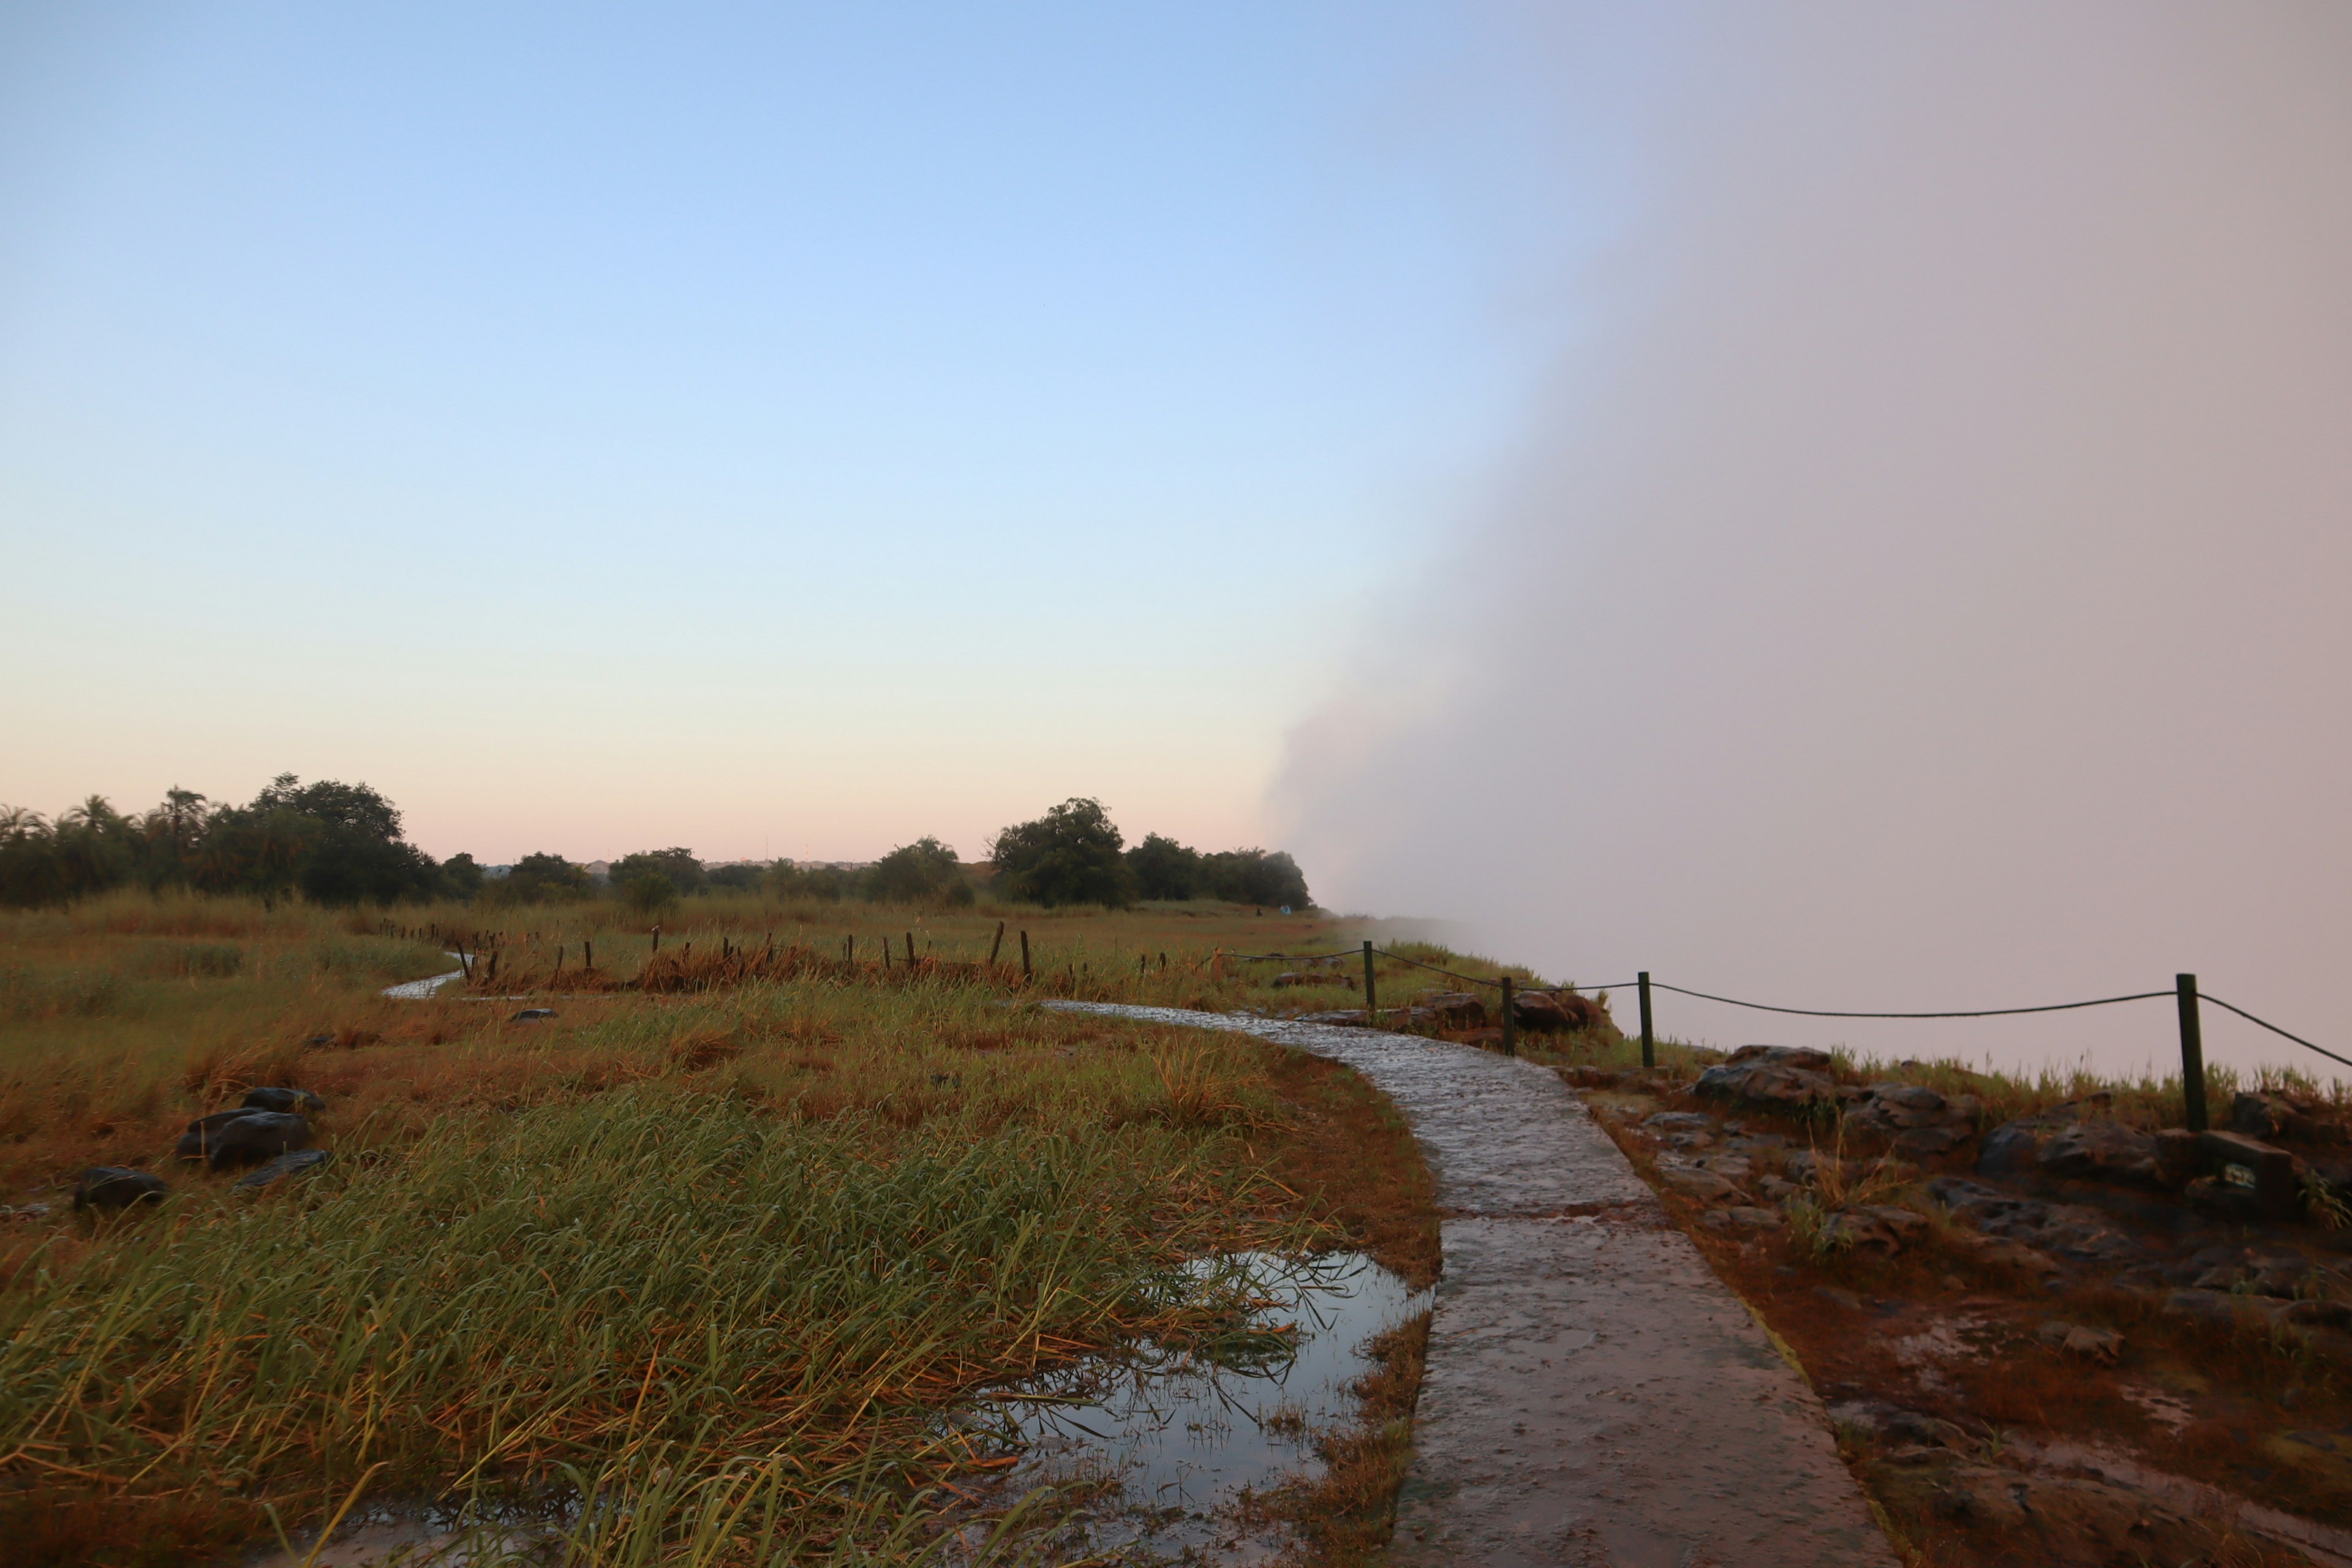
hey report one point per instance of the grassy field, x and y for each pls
(715, 1258)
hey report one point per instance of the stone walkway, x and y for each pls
(1594, 1394)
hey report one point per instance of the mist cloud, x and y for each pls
(1928, 585)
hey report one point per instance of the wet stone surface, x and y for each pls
(1594, 1394)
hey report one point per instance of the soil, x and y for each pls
(2005, 1403)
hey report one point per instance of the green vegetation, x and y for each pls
(721, 1258)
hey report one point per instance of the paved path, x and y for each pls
(1594, 1394)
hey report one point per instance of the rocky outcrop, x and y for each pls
(1916, 1120)
(1785, 1076)
(1455, 1009)
(1558, 1012)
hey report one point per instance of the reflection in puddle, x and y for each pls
(1184, 1434)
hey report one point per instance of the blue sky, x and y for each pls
(784, 430)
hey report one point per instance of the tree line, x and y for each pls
(333, 842)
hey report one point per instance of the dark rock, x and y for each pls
(254, 1137)
(203, 1133)
(2102, 1150)
(1705, 1186)
(1455, 1009)
(113, 1188)
(2077, 1234)
(2276, 1117)
(2205, 1306)
(2316, 1314)
(2080, 1339)
(299, 1100)
(1772, 1075)
(2268, 1171)
(1556, 1012)
(301, 1162)
(1288, 978)
(533, 1014)
(1351, 1016)
(1679, 1122)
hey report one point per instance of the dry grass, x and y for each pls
(720, 1249)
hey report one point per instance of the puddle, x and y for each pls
(1184, 1436)
(1173, 1438)
(417, 990)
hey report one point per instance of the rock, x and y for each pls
(1905, 1223)
(534, 1015)
(301, 1162)
(301, 1100)
(1350, 1017)
(2317, 1314)
(1885, 1229)
(1705, 1186)
(1745, 1217)
(1556, 1012)
(2103, 1151)
(1837, 1297)
(2275, 1118)
(197, 1141)
(1692, 1139)
(2266, 1169)
(2204, 1306)
(113, 1188)
(1771, 1075)
(1679, 1122)
(1776, 1190)
(2079, 1338)
(254, 1137)
(1455, 1009)
(2018, 1256)
(1288, 978)
(2078, 1234)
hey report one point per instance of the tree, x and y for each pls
(463, 874)
(1164, 868)
(926, 872)
(824, 883)
(1069, 856)
(1255, 876)
(737, 879)
(677, 867)
(543, 877)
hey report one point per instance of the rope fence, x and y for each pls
(2184, 993)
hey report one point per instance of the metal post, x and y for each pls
(1510, 1024)
(2192, 1052)
(1371, 997)
(1649, 1044)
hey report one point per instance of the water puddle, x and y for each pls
(418, 990)
(1175, 1439)
(1160, 1444)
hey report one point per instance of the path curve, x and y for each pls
(1594, 1394)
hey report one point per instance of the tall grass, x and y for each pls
(652, 1269)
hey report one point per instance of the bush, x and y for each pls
(786, 880)
(924, 872)
(1069, 856)
(647, 892)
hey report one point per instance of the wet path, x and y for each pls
(1594, 1394)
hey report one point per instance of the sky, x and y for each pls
(1832, 503)
(774, 429)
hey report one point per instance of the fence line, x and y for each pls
(2184, 992)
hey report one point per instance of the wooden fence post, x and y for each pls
(1025, 956)
(910, 949)
(995, 945)
(1372, 996)
(2192, 1052)
(588, 954)
(1510, 1024)
(1649, 1045)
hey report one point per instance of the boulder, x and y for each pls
(1679, 1122)
(197, 1141)
(537, 1015)
(2103, 1151)
(255, 1137)
(2263, 1169)
(1744, 1216)
(299, 1101)
(1456, 1010)
(2076, 1232)
(1556, 1012)
(301, 1162)
(2277, 1118)
(111, 1189)
(1785, 1076)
